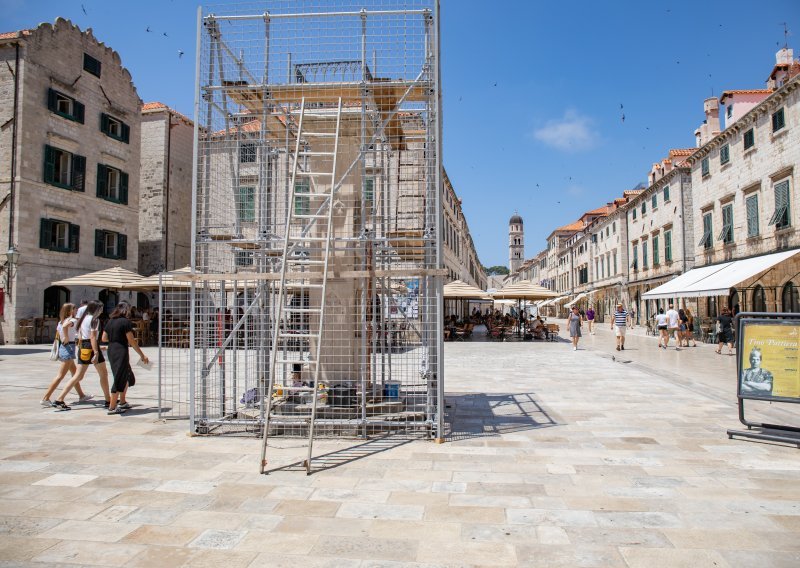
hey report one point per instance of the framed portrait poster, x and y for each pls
(769, 359)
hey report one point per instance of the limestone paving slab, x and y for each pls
(553, 458)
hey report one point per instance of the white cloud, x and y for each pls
(571, 133)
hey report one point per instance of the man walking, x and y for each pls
(590, 319)
(672, 327)
(619, 325)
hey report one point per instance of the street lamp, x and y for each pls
(12, 259)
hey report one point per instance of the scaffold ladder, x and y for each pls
(303, 275)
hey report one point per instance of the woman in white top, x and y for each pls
(66, 331)
(662, 322)
(88, 350)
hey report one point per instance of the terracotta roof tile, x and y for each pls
(731, 93)
(576, 226)
(599, 211)
(682, 151)
(16, 34)
(155, 106)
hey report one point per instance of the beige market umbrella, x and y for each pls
(116, 278)
(461, 290)
(167, 279)
(524, 290)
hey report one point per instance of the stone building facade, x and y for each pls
(165, 219)
(73, 145)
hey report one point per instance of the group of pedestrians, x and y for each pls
(677, 323)
(619, 324)
(82, 341)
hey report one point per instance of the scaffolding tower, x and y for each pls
(314, 299)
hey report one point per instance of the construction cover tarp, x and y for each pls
(718, 279)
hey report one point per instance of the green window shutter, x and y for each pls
(45, 234)
(104, 122)
(123, 188)
(102, 181)
(52, 104)
(78, 173)
(122, 247)
(79, 111)
(99, 243)
(126, 133)
(752, 216)
(49, 164)
(74, 238)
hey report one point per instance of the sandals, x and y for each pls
(718, 352)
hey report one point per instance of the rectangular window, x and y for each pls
(302, 205)
(608, 265)
(243, 258)
(778, 121)
(668, 246)
(65, 106)
(729, 111)
(749, 139)
(751, 204)
(708, 240)
(644, 255)
(64, 169)
(615, 262)
(59, 236)
(369, 192)
(654, 201)
(633, 214)
(112, 184)
(704, 167)
(666, 193)
(724, 155)
(115, 128)
(247, 153)
(614, 227)
(726, 235)
(644, 208)
(635, 263)
(91, 65)
(247, 204)
(108, 244)
(781, 216)
(656, 260)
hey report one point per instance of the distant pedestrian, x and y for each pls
(684, 333)
(575, 321)
(673, 327)
(66, 330)
(690, 333)
(725, 332)
(619, 324)
(633, 317)
(590, 319)
(661, 325)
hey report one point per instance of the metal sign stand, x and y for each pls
(763, 431)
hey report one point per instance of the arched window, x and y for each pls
(109, 299)
(733, 301)
(54, 298)
(711, 306)
(759, 299)
(789, 298)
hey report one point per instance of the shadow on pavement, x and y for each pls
(5, 352)
(344, 456)
(479, 415)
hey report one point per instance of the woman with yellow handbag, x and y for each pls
(66, 331)
(88, 350)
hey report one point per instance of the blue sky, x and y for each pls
(532, 90)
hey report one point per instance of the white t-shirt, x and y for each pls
(661, 320)
(86, 328)
(71, 331)
(673, 318)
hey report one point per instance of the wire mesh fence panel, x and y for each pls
(316, 284)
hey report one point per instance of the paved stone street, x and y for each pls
(556, 458)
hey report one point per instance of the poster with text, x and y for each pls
(770, 359)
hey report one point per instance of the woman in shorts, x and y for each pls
(89, 353)
(66, 330)
(661, 324)
(119, 334)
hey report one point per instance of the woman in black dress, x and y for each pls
(725, 335)
(119, 334)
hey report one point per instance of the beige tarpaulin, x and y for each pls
(116, 278)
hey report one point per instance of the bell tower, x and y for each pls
(516, 243)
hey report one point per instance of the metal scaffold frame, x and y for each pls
(313, 306)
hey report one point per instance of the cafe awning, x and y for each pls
(553, 301)
(580, 296)
(116, 278)
(524, 290)
(461, 290)
(718, 279)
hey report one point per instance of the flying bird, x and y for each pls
(165, 34)
(623, 117)
(180, 54)
(84, 10)
(495, 84)
(620, 106)
(148, 29)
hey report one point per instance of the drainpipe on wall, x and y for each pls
(12, 185)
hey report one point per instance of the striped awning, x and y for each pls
(116, 278)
